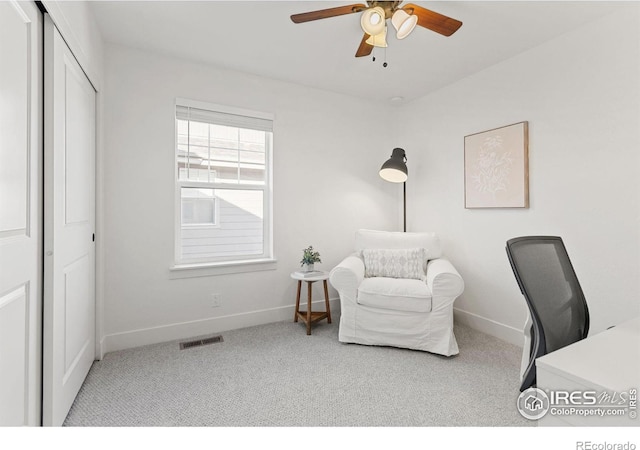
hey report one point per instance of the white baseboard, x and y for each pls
(504, 332)
(184, 330)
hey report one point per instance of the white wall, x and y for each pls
(580, 95)
(327, 154)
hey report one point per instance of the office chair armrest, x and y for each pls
(347, 276)
(444, 281)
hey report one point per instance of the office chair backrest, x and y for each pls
(551, 289)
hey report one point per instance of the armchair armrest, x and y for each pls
(347, 276)
(444, 281)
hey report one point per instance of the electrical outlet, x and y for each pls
(215, 300)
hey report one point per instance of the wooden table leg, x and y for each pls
(326, 301)
(309, 283)
(295, 313)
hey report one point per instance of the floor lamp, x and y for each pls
(395, 170)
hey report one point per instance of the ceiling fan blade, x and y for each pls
(326, 13)
(432, 20)
(364, 49)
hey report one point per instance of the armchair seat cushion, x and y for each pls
(397, 294)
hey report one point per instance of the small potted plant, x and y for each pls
(309, 257)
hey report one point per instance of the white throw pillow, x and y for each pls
(394, 263)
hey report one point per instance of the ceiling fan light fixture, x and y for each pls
(372, 21)
(378, 40)
(404, 23)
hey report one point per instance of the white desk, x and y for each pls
(608, 361)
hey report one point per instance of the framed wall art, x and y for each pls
(496, 168)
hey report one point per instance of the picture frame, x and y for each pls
(496, 168)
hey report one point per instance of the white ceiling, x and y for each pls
(258, 37)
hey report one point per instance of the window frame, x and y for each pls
(237, 262)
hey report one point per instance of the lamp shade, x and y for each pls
(404, 23)
(372, 21)
(378, 40)
(395, 169)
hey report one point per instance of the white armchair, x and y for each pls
(398, 312)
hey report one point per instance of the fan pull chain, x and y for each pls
(384, 64)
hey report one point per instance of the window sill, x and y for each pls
(178, 271)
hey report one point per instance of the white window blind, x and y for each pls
(220, 118)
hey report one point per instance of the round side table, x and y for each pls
(308, 316)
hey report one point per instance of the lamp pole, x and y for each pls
(404, 204)
(395, 170)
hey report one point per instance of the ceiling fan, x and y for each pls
(374, 21)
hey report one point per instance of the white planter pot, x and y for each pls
(307, 267)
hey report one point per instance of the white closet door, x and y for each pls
(69, 258)
(20, 212)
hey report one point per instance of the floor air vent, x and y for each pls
(200, 342)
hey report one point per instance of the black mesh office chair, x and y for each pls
(557, 306)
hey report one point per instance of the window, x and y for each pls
(198, 207)
(223, 184)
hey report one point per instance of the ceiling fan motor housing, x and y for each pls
(388, 7)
